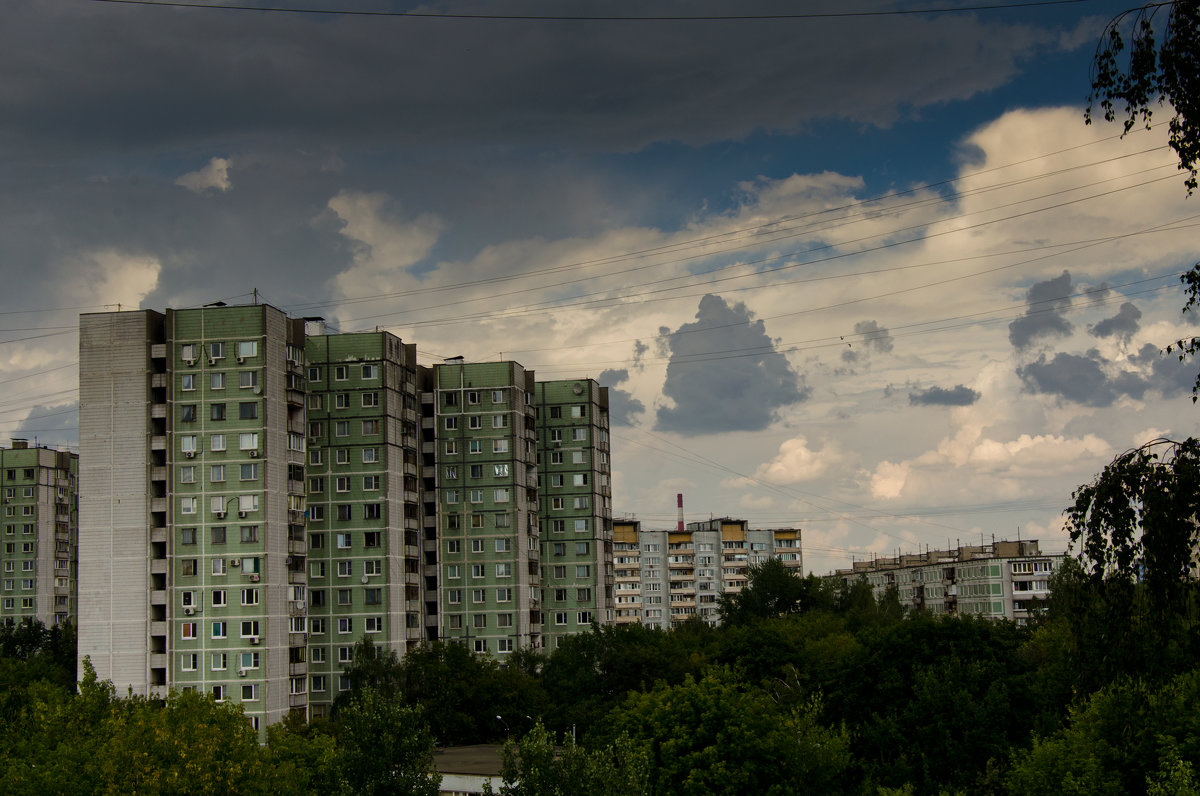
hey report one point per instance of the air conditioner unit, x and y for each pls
(220, 515)
(189, 610)
(190, 454)
(212, 360)
(189, 362)
(241, 672)
(254, 641)
(254, 578)
(241, 360)
(254, 453)
(242, 515)
(235, 562)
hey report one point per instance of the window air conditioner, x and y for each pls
(254, 641)
(254, 454)
(254, 578)
(212, 360)
(189, 362)
(241, 360)
(242, 515)
(188, 611)
(220, 515)
(190, 454)
(241, 672)
(235, 562)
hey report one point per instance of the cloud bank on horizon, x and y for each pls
(868, 276)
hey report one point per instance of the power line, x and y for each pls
(599, 18)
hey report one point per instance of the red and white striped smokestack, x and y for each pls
(679, 502)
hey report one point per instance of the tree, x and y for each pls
(1161, 66)
(536, 766)
(772, 590)
(387, 747)
(1132, 603)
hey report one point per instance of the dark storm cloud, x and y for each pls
(1044, 317)
(622, 406)
(1081, 379)
(143, 76)
(960, 395)
(51, 425)
(731, 393)
(1124, 324)
(1170, 376)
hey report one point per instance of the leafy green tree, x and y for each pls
(537, 766)
(387, 748)
(716, 735)
(1142, 61)
(302, 757)
(773, 590)
(1134, 602)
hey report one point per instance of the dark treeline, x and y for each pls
(806, 688)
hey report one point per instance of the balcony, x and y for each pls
(298, 700)
(157, 596)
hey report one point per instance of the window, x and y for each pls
(560, 617)
(451, 495)
(503, 594)
(478, 570)
(499, 446)
(341, 400)
(370, 483)
(476, 520)
(247, 503)
(216, 381)
(583, 595)
(247, 348)
(454, 546)
(502, 495)
(581, 502)
(454, 596)
(343, 456)
(316, 456)
(249, 596)
(583, 570)
(370, 371)
(556, 503)
(504, 570)
(371, 539)
(316, 484)
(451, 448)
(249, 628)
(218, 566)
(247, 379)
(340, 373)
(475, 446)
(345, 625)
(473, 396)
(556, 457)
(500, 470)
(220, 629)
(584, 617)
(187, 661)
(345, 654)
(317, 625)
(341, 429)
(372, 596)
(187, 444)
(474, 422)
(560, 548)
(318, 682)
(187, 535)
(342, 484)
(373, 567)
(582, 548)
(187, 631)
(556, 479)
(476, 495)
(374, 624)
(187, 505)
(370, 427)
(250, 533)
(497, 396)
(499, 421)
(187, 474)
(504, 545)
(217, 598)
(370, 400)
(503, 520)
(372, 511)
(343, 541)
(248, 410)
(504, 620)
(248, 472)
(476, 545)
(579, 479)
(370, 455)
(481, 645)
(248, 442)
(581, 525)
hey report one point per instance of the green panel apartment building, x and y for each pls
(257, 496)
(365, 551)
(40, 521)
(576, 506)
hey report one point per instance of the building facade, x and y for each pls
(576, 506)
(38, 559)
(490, 573)
(999, 580)
(192, 437)
(364, 506)
(666, 577)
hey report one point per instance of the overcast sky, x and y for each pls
(868, 275)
